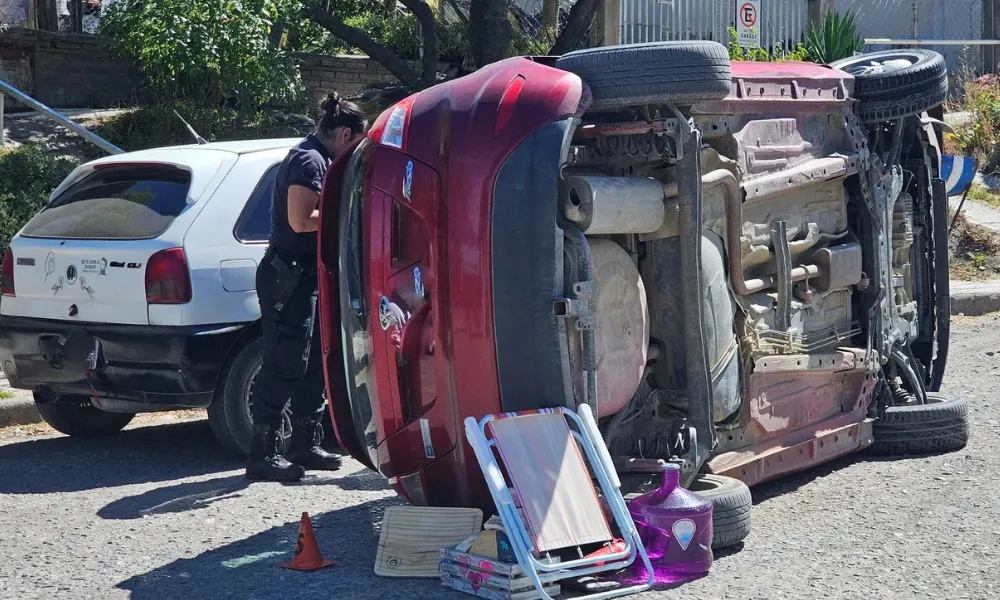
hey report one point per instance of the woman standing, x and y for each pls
(287, 290)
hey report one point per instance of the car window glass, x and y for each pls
(115, 203)
(254, 224)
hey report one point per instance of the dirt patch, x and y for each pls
(975, 252)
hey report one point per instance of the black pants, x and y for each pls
(292, 368)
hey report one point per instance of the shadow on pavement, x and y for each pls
(248, 569)
(140, 455)
(196, 495)
(183, 497)
(790, 483)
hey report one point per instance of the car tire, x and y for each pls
(77, 417)
(229, 414)
(896, 83)
(941, 425)
(732, 505)
(681, 73)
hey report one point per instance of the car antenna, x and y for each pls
(197, 138)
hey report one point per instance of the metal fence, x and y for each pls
(528, 16)
(957, 26)
(782, 22)
(15, 13)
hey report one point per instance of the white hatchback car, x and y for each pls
(133, 290)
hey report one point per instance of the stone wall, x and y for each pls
(66, 70)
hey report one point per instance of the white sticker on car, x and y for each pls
(408, 180)
(425, 432)
(418, 284)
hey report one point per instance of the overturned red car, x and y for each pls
(741, 267)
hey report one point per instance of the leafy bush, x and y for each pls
(453, 42)
(837, 38)
(981, 135)
(206, 51)
(776, 54)
(27, 177)
(157, 126)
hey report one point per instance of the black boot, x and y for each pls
(266, 462)
(304, 448)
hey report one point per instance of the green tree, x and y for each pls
(208, 50)
(331, 18)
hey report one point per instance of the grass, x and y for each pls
(985, 196)
(6, 394)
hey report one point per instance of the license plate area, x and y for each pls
(75, 352)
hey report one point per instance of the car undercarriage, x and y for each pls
(766, 273)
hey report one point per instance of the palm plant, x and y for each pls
(835, 39)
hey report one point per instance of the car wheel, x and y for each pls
(230, 414)
(941, 425)
(732, 504)
(682, 73)
(896, 83)
(76, 416)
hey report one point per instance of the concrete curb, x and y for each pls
(975, 298)
(969, 298)
(19, 410)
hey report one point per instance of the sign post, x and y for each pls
(748, 23)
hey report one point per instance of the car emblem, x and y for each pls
(383, 313)
(71, 274)
(408, 180)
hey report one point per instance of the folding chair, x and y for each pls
(542, 459)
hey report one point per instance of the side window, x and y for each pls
(254, 224)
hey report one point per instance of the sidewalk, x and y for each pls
(977, 213)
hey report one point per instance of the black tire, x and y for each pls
(229, 413)
(681, 73)
(896, 83)
(941, 425)
(732, 504)
(77, 417)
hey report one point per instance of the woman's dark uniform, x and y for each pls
(292, 366)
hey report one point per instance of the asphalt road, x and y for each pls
(161, 512)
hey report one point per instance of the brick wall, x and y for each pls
(68, 70)
(346, 75)
(72, 70)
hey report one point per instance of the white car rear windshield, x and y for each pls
(115, 203)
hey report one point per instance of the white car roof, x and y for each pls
(238, 147)
(202, 160)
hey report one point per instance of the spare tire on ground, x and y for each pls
(896, 83)
(681, 73)
(941, 425)
(732, 504)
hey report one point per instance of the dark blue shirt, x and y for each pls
(305, 165)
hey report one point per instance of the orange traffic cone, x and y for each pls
(307, 556)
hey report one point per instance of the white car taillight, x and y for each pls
(168, 279)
